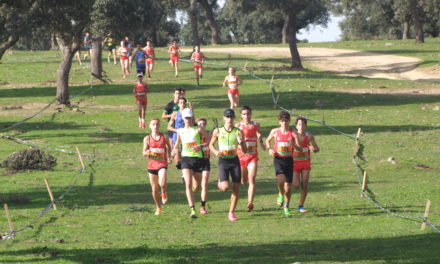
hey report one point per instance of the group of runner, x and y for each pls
(235, 145)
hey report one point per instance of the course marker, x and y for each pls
(425, 216)
(49, 190)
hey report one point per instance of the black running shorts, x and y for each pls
(284, 165)
(228, 167)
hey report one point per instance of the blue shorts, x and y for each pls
(88, 46)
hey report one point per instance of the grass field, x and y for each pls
(109, 216)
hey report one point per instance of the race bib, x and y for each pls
(190, 145)
(157, 154)
(301, 155)
(284, 148)
(251, 147)
(228, 151)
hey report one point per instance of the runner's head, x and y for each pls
(87, 34)
(174, 42)
(229, 116)
(140, 76)
(176, 94)
(202, 122)
(284, 118)
(246, 113)
(301, 124)
(231, 70)
(182, 92)
(197, 48)
(149, 43)
(154, 125)
(181, 103)
(138, 47)
(187, 115)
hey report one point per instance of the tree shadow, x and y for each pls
(416, 249)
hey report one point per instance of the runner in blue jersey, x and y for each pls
(139, 56)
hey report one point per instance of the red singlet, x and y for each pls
(149, 55)
(124, 53)
(250, 139)
(233, 85)
(174, 53)
(198, 60)
(283, 143)
(301, 160)
(141, 94)
(158, 155)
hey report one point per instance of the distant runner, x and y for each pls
(197, 57)
(110, 44)
(233, 81)
(158, 151)
(149, 57)
(174, 52)
(228, 137)
(301, 160)
(249, 159)
(139, 57)
(88, 45)
(123, 57)
(140, 91)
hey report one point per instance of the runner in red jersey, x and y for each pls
(233, 81)
(249, 159)
(140, 91)
(158, 151)
(201, 177)
(174, 52)
(197, 57)
(123, 58)
(149, 58)
(285, 142)
(301, 160)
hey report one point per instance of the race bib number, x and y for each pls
(284, 148)
(140, 61)
(251, 147)
(228, 151)
(301, 155)
(157, 154)
(190, 145)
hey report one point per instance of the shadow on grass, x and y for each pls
(415, 249)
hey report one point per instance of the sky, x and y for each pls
(321, 34)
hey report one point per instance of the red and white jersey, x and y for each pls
(205, 149)
(305, 154)
(174, 50)
(283, 144)
(250, 138)
(123, 51)
(140, 90)
(158, 154)
(197, 57)
(149, 53)
(232, 81)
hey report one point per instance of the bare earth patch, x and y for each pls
(348, 62)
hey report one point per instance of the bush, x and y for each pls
(29, 159)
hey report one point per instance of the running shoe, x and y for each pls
(203, 210)
(280, 200)
(142, 124)
(158, 211)
(250, 206)
(231, 217)
(219, 185)
(287, 212)
(164, 198)
(302, 210)
(193, 213)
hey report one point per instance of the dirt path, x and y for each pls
(348, 62)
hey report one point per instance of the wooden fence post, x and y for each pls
(428, 205)
(80, 158)
(49, 190)
(364, 183)
(8, 216)
(356, 146)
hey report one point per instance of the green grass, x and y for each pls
(109, 216)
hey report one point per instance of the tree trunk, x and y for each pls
(418, 29)
(215, 39)
(284, 31)
(53, 42)
(96, 63)
(296, 59)
(194, 22)
(7, 44)
(405, 32)
(67, 53)
(154, 35)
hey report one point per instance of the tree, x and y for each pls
(193, 17)
(208, 7)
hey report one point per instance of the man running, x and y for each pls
(249, 159)
(123, 58)
(111, 47)
(88, 45)
(283, 162)
(171, 107)
(140, 91)
(139, 56)
(129, 46)
(149, 57)
(197, 57)
(301, 160)
(158, 151)
(174, 52)
(201, 177)
(190, 137)
(229, 137)
(233, 81)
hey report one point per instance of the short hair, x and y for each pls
(183, 98)
(301, 118)
(155, 119)
(232, 68)
(180, 89)
(246, 107)
(202, 119)
(284, 115)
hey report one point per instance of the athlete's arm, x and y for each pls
(295, 141)
(134, 91)
(167, 142)
(176, 146)
(260, 137)
(212, 143)
(239, 81)
(268, 140)
(225, 81)
(146, 149)
(171, 123)
(240, 140)
(192, 56)
(314, 147)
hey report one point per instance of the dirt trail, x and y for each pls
(348, 62)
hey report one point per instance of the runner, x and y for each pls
(140, 60)
(129, 47)
(233, 82)
(177, 121)
(158, 151)
(174, 52)
(88, 45)
(150, 57)
(229, 137)
(249, 159)
(301, 160)
(78, 56)
(190, 137)
(171, 107)
(197, 57)
(283, 162)
(123, 57)
(201, 177)
(140, 91)
(111, 47)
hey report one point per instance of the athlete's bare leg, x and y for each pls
(155, 189)
(176, 64)
(236, 100)
(252, 173)
(205, 180)
(197, 181)
(287, 192)
(187, 174)
(197, 76)
(114, 56)
(280, 183)
(231, 100)
(224, 186)
(163, 180)
(234, 196)
(304, 183)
